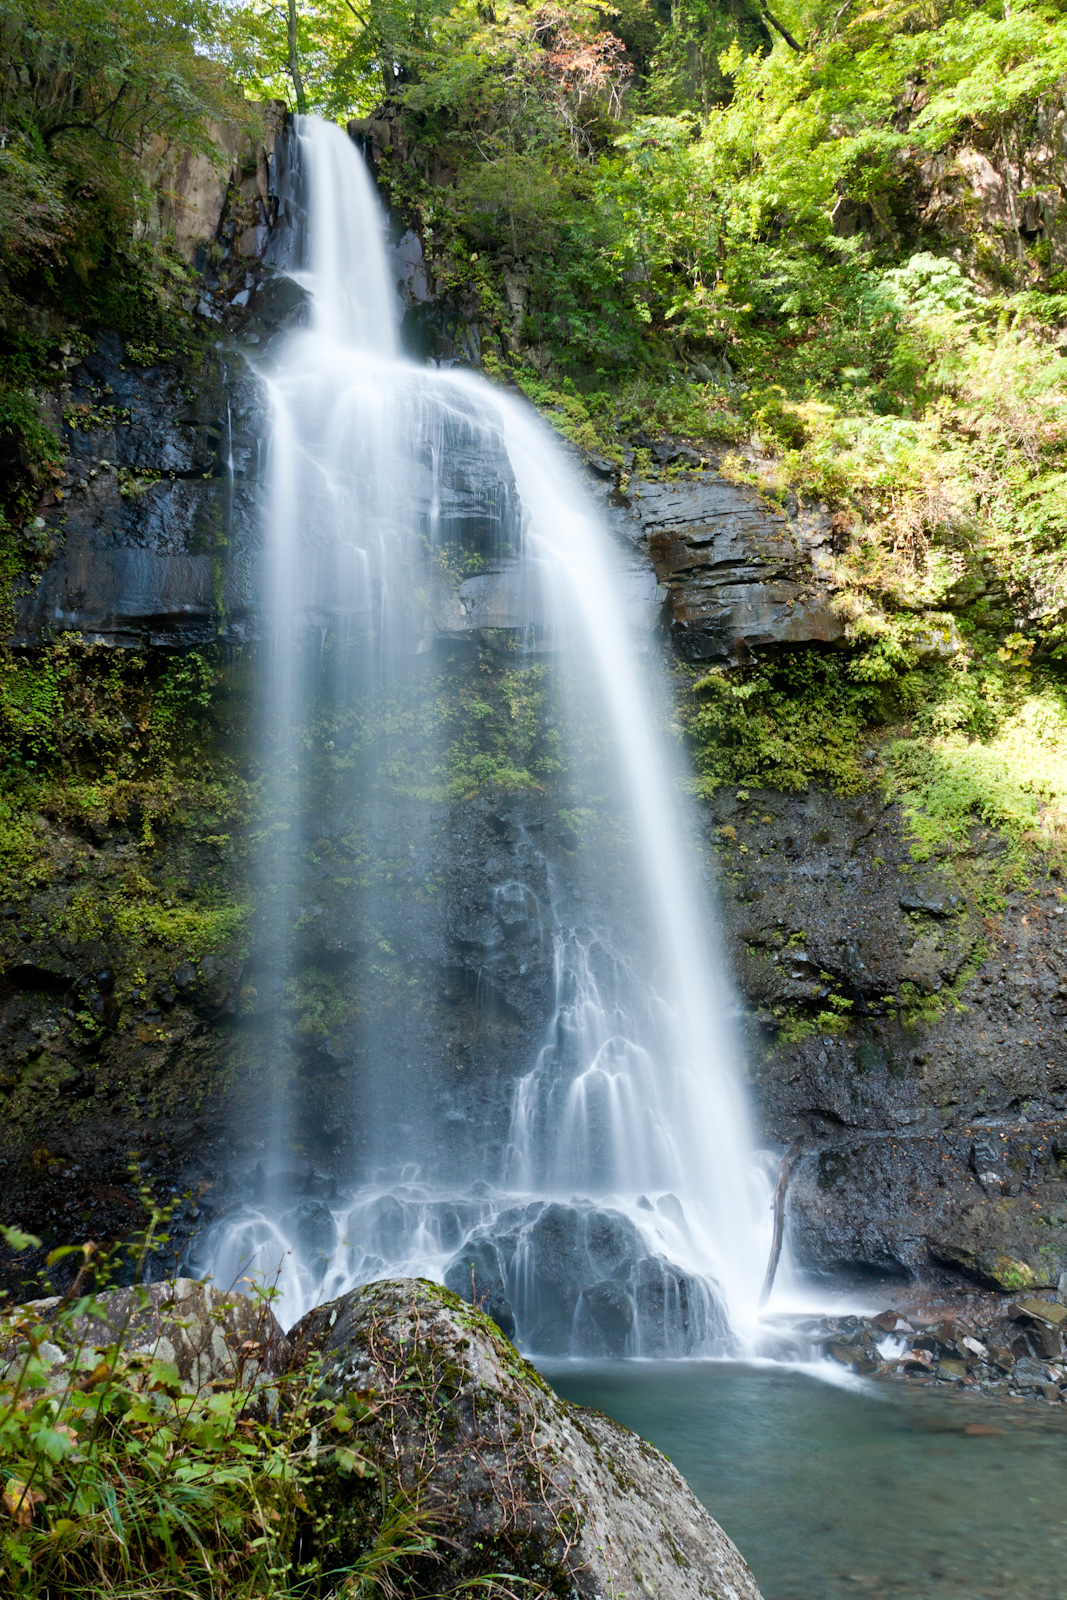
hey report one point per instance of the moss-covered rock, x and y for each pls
(528, 1486)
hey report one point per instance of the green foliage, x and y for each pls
(98, 739)
(120, 1480)
(1014, 778)
(28, 451)
(89, 84)
(83, 709)
(791, 721)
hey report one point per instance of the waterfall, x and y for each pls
(586, 1173)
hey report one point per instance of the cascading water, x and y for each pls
(574, 1156)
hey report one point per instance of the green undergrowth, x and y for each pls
(782, 725)
(976, 741)
(129, 1472)
(118, 1480)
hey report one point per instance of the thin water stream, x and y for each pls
(871, 1490)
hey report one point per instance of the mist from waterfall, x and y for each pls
(599, 1192)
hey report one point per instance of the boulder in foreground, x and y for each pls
(214, 1339)
(526, 1484)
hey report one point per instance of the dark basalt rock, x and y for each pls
(531, 1485)
(738, 575)
(154, 522)
(935, 1103)
(581, 1280)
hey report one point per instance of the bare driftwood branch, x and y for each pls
(785, 1167)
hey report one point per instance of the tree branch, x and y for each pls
(784, 31)
(837, 18)
(785, 1167)
(294, 60)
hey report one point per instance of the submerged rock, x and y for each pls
(528, 1485)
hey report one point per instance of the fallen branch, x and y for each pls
(785, 1167)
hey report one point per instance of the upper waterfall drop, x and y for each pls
(571, 1150)
(352, 300)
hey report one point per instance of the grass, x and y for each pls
(121, 1480)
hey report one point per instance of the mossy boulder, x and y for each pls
(526, 1484)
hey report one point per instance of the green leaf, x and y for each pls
(17, 1240)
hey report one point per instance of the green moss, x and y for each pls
(137, 914)
(795, 1028)
(320, 1003)
(1012, 1275)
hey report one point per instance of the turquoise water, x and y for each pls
(832, 1493)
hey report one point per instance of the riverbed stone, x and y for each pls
(531, 1485)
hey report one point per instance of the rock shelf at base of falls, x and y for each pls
(998, 1345)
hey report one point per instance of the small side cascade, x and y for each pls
(597, 1193)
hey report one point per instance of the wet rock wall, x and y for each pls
(900, 1020)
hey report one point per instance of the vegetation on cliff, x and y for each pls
(822, 245)
(759, 231)
(126, 749)
(788, 253)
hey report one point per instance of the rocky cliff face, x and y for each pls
(934, 1105)
(739, 576)
(909, 1029)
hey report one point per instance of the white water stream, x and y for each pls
(622, 1200)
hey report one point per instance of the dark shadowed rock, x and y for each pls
(581, 1280)
(738, 575)
(935, 1106)
(528, 1484)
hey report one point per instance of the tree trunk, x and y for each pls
(294, 60)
